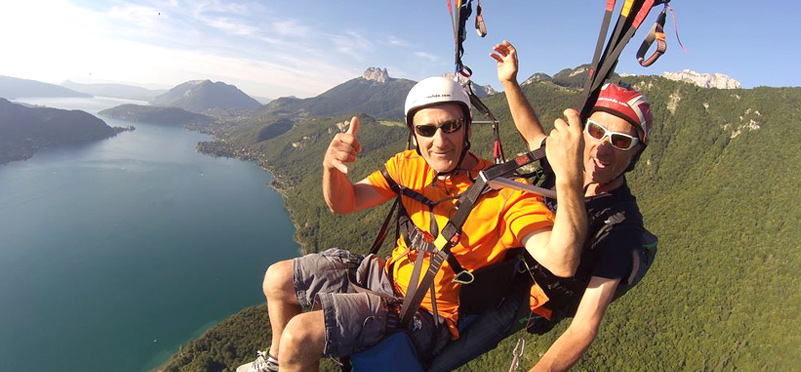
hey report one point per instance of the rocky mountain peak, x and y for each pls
(537, 77)
(376, 74)
(717, 80)
(479, 90)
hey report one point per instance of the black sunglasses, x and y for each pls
(448, 127)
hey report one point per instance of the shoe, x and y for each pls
(264, 363)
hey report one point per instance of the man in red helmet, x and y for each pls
(612, 260)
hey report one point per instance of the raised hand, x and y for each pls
(506, 56)
(343, 148)
(565, 148)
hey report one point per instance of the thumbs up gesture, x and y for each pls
(343, 148)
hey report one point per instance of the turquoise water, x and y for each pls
(115, 252)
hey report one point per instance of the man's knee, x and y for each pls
(278, 281)
(304, 334)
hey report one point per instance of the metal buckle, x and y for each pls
(421, 241)
(466, 281)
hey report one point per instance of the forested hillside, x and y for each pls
(718, 185)
(24, 130)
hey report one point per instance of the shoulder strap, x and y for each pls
(451, 233)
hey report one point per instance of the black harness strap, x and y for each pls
(608, 66)
(451, 233)
(613, 49)
(414, 237)
(610, 7)
(497, 150)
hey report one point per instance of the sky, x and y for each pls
(273, 49)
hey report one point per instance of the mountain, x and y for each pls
(114, 90)
(203, 95)
(536, 78)
(715, 184)
(575, 77)
(374, 93)
(263, 100)
(720, 81)
(13, 88)
(156, 115)
(481, 91)
(23, 130)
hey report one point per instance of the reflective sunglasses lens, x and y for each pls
(622, 142)
(427, 130)
(595, 130)
(451, 126)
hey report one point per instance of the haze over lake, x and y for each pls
(114, 252)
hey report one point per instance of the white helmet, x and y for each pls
(433, 90)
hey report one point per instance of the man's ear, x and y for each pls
(469, 130)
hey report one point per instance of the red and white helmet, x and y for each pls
(435, 90)
(629, 105)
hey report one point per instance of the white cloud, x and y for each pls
(427, 56)
(396, 41)
(352, 44)
(290, 28)
(135, 14)
(230, 26)
(213, 40)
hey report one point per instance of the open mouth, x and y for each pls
(600, 164)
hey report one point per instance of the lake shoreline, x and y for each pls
(220, 148)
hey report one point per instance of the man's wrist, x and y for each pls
(511, 82)
(568, 182)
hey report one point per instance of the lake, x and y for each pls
(115, 252)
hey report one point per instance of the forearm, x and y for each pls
(338, 191)
(523, 115)
(563, 251)
(567, 350)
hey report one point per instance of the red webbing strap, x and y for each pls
(676, 26)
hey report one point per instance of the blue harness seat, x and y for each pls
(394, 354)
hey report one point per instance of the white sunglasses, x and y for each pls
(620, 141)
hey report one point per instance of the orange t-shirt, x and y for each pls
(498, 221)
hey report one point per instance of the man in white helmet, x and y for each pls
(336, 303)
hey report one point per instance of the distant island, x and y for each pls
(156, 115)
(13, 88)
(23, 130)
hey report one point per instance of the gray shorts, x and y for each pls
(356, 320)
